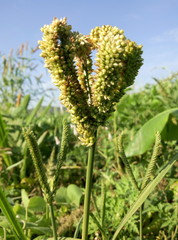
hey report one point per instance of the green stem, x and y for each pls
(88, 187)
(141, 222)
(53, 221)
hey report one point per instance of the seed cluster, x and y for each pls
(89, 94)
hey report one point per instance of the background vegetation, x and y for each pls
(19, 88)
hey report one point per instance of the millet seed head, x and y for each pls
(89, 95)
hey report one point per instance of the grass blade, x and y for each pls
(14, 165)
(34, 112)
(8, 212)
(42, 137)
(98, 225)
(4, 142)
(45, 111)
(78, 227)
(144, 194)
(22, 108)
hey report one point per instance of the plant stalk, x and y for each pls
(53, 221)
(88, 188)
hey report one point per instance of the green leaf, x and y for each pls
(166, 123)
(38, 229)
(34, 112)
(4, 141)
(8, 212)
(45, 111)
(70, 195)
(144, 194)
(4, 223)
(61, 196)
(78, 227)
(1, 231)
(42, 137)
(170, 131)
(14, 165)
(74, 194)
(37, 204)
(95, 220)
(23, 106)
(19, 210)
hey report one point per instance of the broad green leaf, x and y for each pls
(37, 204)
(144, 194)
(165, 122)
(74, 193)
(70, 195)
(170, 131)
(61, 196)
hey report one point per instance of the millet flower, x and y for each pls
(89, 95)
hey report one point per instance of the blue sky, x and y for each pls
(152, 23)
